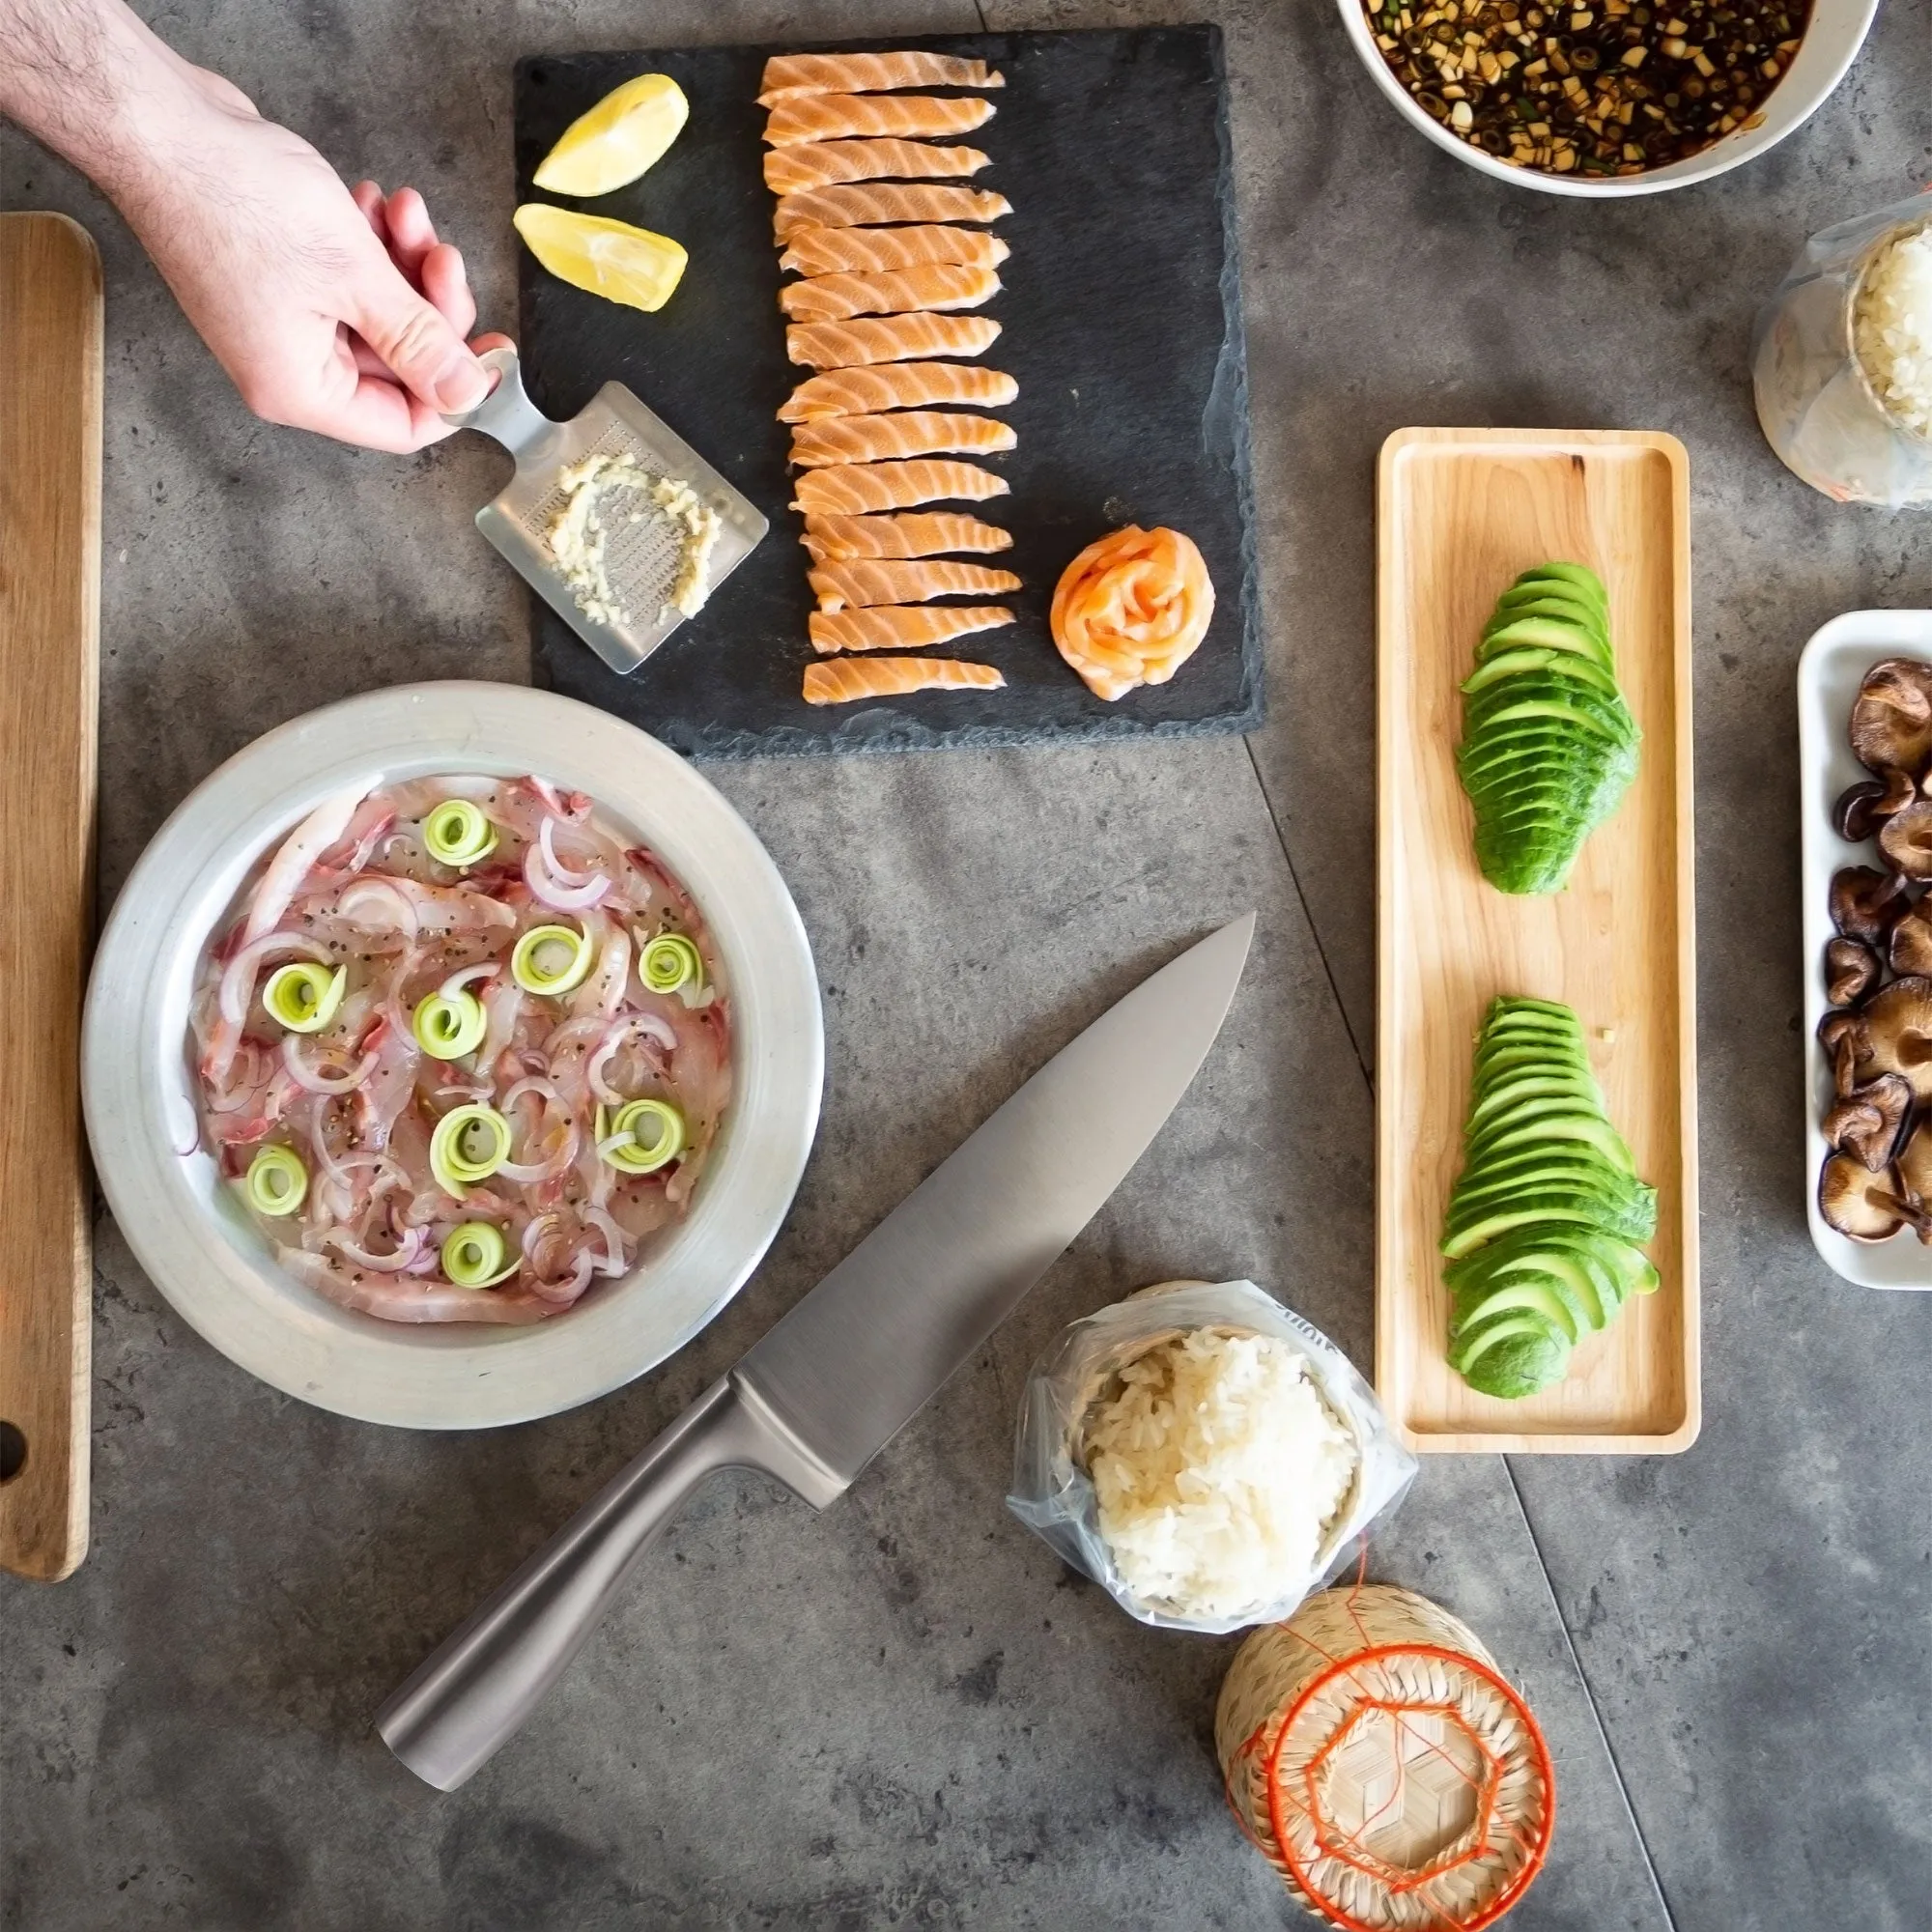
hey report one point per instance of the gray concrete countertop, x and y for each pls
(904, 1712)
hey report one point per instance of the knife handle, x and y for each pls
(473, 1693)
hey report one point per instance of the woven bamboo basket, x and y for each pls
(1374, 1752)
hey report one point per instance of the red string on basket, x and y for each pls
(1348, 1847)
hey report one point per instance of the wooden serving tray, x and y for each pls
(1461, 513)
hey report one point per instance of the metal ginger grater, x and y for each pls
(640, 557)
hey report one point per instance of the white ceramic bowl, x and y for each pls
(201, 1249)
(1832, 43)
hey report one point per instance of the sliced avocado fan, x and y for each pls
(1545, 1217)
(1549, 745)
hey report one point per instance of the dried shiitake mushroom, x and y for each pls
(1866, 904)
(1866, 1124)
(1898, 1030)
(1862, 809)
(1859, 1203)
(1914, 1172)
(1846, 1040)
(1891, 717)
(1909, 947)
(1852, 969)
(1906, 841)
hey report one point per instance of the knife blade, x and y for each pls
(815, 1399)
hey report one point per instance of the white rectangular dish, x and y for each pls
(1829, 675)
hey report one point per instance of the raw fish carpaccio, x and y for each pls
(890, 248)
(843, 679)
(358, 1098)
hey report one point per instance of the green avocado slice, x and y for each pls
(1551, 606)
(1513, 1357)
(1548, 633)
(1542, 1284)
(1593, 1130)
(1543, 660)
(1548, 744)
(1577, 1207)
(1560, 1253)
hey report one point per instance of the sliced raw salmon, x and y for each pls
(840, 586)
(852, 489)
(920, 533)
(845, 679)
(932, 285)
(834, 251)
(902, 627)
(787, 76)
(1132, 609)
(872, 203)
(845, 117)
(896, 385)
(821, 163)
(889, 338)
(907, 433)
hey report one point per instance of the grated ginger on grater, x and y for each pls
(575, 535)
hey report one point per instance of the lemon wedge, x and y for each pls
(602, 257)
(619, 139)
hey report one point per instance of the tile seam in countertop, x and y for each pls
(1536, 1547)
(1308, 914)
(1590, 1698)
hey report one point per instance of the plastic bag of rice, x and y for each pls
(1203, 1454)
(1893, 330)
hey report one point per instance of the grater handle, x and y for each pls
(507, 413)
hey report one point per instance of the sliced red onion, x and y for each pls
(313, 1081)
(563, 1293)
(648, 1024)
(456, 982)
(238, 978)
(401, 914)
(564, 874)
(606, 1225)
(530, 1084)
(527, 1174)
(409, 1250)
(552, 892)
(593, 1067)
(566, 805)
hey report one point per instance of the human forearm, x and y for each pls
(89, 81)
(341, 315)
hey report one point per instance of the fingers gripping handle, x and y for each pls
(473, 1693)
(507, 412)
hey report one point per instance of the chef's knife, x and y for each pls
(853, 1362)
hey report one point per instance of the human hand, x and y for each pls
(335, 312)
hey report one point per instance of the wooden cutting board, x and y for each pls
(49, 680)
(1461, 512)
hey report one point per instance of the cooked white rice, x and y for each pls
(1893, 328)
(1217, 1468)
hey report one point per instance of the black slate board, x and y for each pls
(1122, 319)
